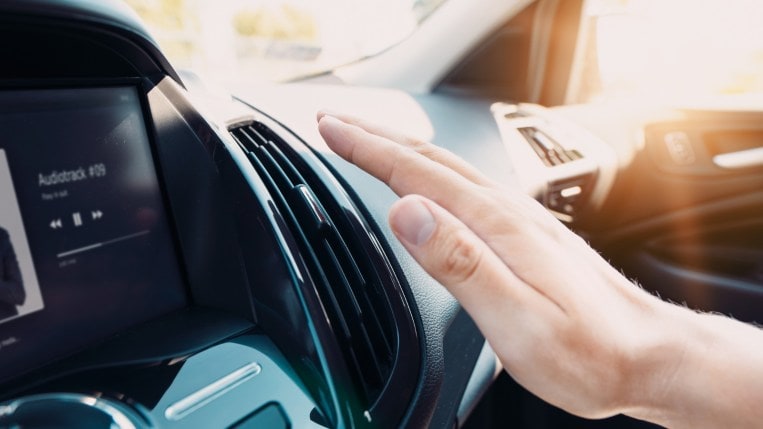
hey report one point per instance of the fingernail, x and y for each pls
(329, 126)
(412, 221)
(324, 112)
(334, 132)
(330, 120)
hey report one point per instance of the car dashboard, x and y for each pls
(195, 259)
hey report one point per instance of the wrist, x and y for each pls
(706, 373)
(661, 355)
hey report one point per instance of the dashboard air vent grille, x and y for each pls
(349, 288)
(549, 151)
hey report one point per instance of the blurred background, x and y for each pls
(663, 49)
(232, 41)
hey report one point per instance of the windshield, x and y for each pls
(670, 50)
(246, 41)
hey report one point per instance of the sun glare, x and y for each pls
(677, 48)
(254, 41)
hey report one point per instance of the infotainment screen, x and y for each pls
(85, 246)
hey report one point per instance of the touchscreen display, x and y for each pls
(85, 247)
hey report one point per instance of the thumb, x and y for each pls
(456, 257)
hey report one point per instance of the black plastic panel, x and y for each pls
(707, 257)
(200, 203)
(499, 65)
(75, 39)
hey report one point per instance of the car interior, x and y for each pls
(196, 256)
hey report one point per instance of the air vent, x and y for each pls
(549, 151)
(350, 288)
(515, 114)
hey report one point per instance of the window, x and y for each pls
(233, 41)
(669, 50)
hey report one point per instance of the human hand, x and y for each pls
(563, 322)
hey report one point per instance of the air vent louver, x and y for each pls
(348, 286)
(549, 151)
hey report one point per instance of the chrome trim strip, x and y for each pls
(209, 393)
(741, 159)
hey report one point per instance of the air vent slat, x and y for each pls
(279, 175)
(548, 150)
(335, 310)
(338, 319)
(348, 261)
(369, 320)
(349, 288)
(249, 139)
(256, 137)
(374, 325)
(370, 365)
(357, 368)
(283, 161)
(364, 348)
(361, 288)
(344, 283)
(312, 208)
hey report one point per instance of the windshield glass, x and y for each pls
(232, 41)
(670, 50)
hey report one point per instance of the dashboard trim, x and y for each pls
(194, 401)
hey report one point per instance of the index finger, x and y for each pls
(429, 150)
(400, 167)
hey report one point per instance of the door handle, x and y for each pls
(741, 159)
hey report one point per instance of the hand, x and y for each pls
(564, 323)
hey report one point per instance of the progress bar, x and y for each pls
(101, 244)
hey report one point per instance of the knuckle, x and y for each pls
(462, 258)
(352, 154)
(402, 164)
(520, 215)
(397, 164)
(425, 149)
(416, 144)
(507, 220)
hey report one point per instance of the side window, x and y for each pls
(668, 49)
